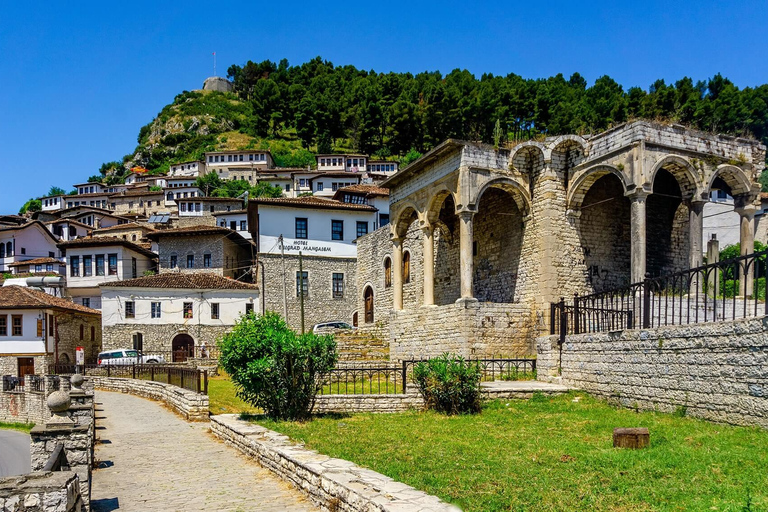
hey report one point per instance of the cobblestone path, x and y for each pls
(152, 460)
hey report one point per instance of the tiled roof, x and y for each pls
(68, 220)
(90, 194)
(206, 198)
(36, 261)
(127, 225)
(190, 230)
(18, 297)
(311, 202)
(216, 214)
(186, 281)
(105, 241)
(135, 193)
(371, 190)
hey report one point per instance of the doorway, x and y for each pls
(183, 347)
(368, 295)
(26, 366)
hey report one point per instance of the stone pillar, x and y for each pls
(466, 264)
(696, 234)
(637, 229)
(397, 273)
(713, 256)
(429, 265)
(747, 246)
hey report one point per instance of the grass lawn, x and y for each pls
(21, 427)
(222, 399)
(553, 454)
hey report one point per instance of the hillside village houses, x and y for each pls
(484, 237)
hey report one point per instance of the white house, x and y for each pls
(68, 229)
(26, 242)
(232, 164)
(194, 168)
(53, 203)
(326, 184)
(346, 163)
(383, 167)
(180, 187)
(177, 314)
(37, 330)
(372, 195)
(236, 220)
(93, 261)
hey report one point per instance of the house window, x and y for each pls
(134, 271)
(87, 302)
(407, 267)
(99, 264)
(38, 268)
(112, 264)
(248, 308)
(74, 266)
(130, 309)
(49, 267)
(288, 188)
(207, 260)
(138, 342)
(338, 286)
(87, 266)
(301, 228)
(50, 325)
(156, 310)
(190, 261)
(387, 273)
(16, 325)
(82, 332)
(187, 310)
(362, 228)
(214, 311)
(302, 283)
(337, 230)
(3, 325)
(243, 226)
(383, 219)
(320, 186)
(93, 333)
(174, 261)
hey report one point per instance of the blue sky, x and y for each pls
(78, 79)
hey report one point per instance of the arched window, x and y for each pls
(368, 296)
(9, 249)
(387, 273)
(407, 267)
(2, 250)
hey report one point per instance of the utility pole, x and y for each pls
(301, 291)
(285, 295)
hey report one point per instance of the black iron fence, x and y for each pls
(725, 290)
(383, 379)
(187, 378)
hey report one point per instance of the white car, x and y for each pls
(332, 326)
(127, 356)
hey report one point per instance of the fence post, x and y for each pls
(646, 302)
(205, 379)
(152, 373)
(552, 309)
(576, 321)
(169, 375)
(198, 382)
(563, 321)
(108, 369)
(405, 375)
(182, 378)
(134, 371)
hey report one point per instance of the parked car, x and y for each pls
(127, 356)
(332, 326)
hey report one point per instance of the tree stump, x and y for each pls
(631, 438)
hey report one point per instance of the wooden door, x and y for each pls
(26, 367)
(369, 305)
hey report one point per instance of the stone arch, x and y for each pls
(529, 158)
(182, 346)
(516, 190)
(570, 139)
(682, 170)
(734, 177)
(578, 190)
(403, 220)
(667, 223)
(567, 152)
(435, 204)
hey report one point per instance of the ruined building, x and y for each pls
(482, 240)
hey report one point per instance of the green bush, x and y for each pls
(274, 368)
(449, 384)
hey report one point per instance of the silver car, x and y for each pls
(126, 356)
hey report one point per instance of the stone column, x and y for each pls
(713, 256)
(637, 230)
(429, 265)
(747, 246)
(695, 241)
(466, 239)
(397, 273)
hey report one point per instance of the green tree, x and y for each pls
(274, 368)
(264, 189)
(33, 205)
(209, 183)
(56, 191)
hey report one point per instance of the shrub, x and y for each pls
(274, 368)
(449, 384)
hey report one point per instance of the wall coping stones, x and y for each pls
(188, 404)
(331, 483)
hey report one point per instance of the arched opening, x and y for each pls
(667, 226)
(2, 250)
(387, 272)
(407, 229)
(183, 347)
(446, 240)
(64, 358)
(498, 240)
(605, 235)
(368, 296)
(354, 319)
(9, 249)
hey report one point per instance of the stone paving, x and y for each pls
(150, 459)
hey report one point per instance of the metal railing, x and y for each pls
(186, 378)
(726, 290)
(366, 380)
(13, 383)
(37, 384)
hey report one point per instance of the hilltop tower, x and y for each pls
(217, 83)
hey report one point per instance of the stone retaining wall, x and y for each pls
(716, 371)
(41, 492)
(333, 484)
(190, 405)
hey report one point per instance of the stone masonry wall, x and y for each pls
(159, 338)
(715, 371)
(57, 491)
(69, 333)
(319, 303)
(190, 405)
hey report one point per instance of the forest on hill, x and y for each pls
(296, 111)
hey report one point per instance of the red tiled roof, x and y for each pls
(36, 261)
(105, 241)
(189, 230)
(127, 225)
(185, 281)
(371, 190)
(18, 297)
(311, 202)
